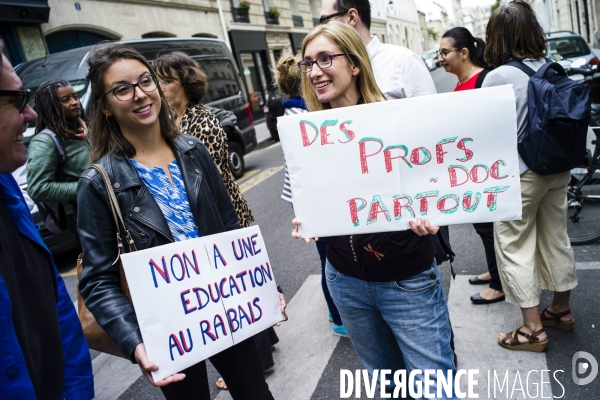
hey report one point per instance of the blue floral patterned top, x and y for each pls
(171, 198)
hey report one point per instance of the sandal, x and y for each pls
(555, 322)
(511, 341)
(221, 384)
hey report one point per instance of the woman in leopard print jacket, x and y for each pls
(184, 85)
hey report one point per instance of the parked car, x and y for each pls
(430, 58)
(570, 46)
(273, 109)
(226, 91)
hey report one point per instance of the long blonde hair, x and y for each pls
(352, 45)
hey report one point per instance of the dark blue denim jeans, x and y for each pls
(396, 325)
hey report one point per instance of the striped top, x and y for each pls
(286, 194)
(171, 198)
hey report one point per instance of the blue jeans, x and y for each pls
(396, 325)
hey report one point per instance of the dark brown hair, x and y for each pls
(193, 80)
(106, 136)
(513, 32)
(463, 39)
(289, 77)
(50, 111)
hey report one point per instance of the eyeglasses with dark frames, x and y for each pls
(126, 92)
(323, 61)
(444, 52)
(325, 18)
(22, 94)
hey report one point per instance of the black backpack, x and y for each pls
(53, 214)
(559, 112)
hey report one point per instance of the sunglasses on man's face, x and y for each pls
(23, 96)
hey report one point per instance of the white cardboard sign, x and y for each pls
(371, 168)
(197, 297)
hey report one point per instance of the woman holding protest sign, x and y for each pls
(184, 84)
(462, 55)
(168, 189)
(533, 253)
(387, 286)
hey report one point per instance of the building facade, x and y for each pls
(20, 29)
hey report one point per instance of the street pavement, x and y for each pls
(308, 358)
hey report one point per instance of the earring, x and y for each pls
(108, 120)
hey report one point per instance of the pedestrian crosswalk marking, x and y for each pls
(305, 345)
(476, 328)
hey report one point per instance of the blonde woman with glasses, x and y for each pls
(393, 307)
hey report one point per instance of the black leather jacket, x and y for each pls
(210, 205)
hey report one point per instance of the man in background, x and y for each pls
(399, 72)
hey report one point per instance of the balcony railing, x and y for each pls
(298, 21)
(240, 15)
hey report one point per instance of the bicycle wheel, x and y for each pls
(583, 214)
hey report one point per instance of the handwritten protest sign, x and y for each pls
(371, 168)
(198, 297)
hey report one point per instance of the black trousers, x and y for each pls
(485, 231)
(239, 366)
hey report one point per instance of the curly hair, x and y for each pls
(193, 80)
(51, 114)
(289, 77)
(106, 137)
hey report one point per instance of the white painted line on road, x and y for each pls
(113, 376)
(587, 265)
(305, 345)
(476, 328)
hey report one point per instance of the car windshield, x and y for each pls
(67, 66)
(568, 47)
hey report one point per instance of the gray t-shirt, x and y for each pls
(507, 75)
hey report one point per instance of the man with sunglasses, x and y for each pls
(43, 353)
(399, 72)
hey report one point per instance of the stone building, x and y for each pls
(258, 32)
(476, 20)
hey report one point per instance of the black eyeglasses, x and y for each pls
(325, 18)
(444, 52)
(22, 94)
(126, 92)
(324, 61)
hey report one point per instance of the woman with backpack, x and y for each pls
(58, 153)
(461, 54)
(534, 252)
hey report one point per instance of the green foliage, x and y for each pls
(274, 12)
(431, 32)
(244, 5)
(494, 6)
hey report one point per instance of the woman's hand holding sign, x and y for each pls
(147, 367)
(422, 227)
(296, 234)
